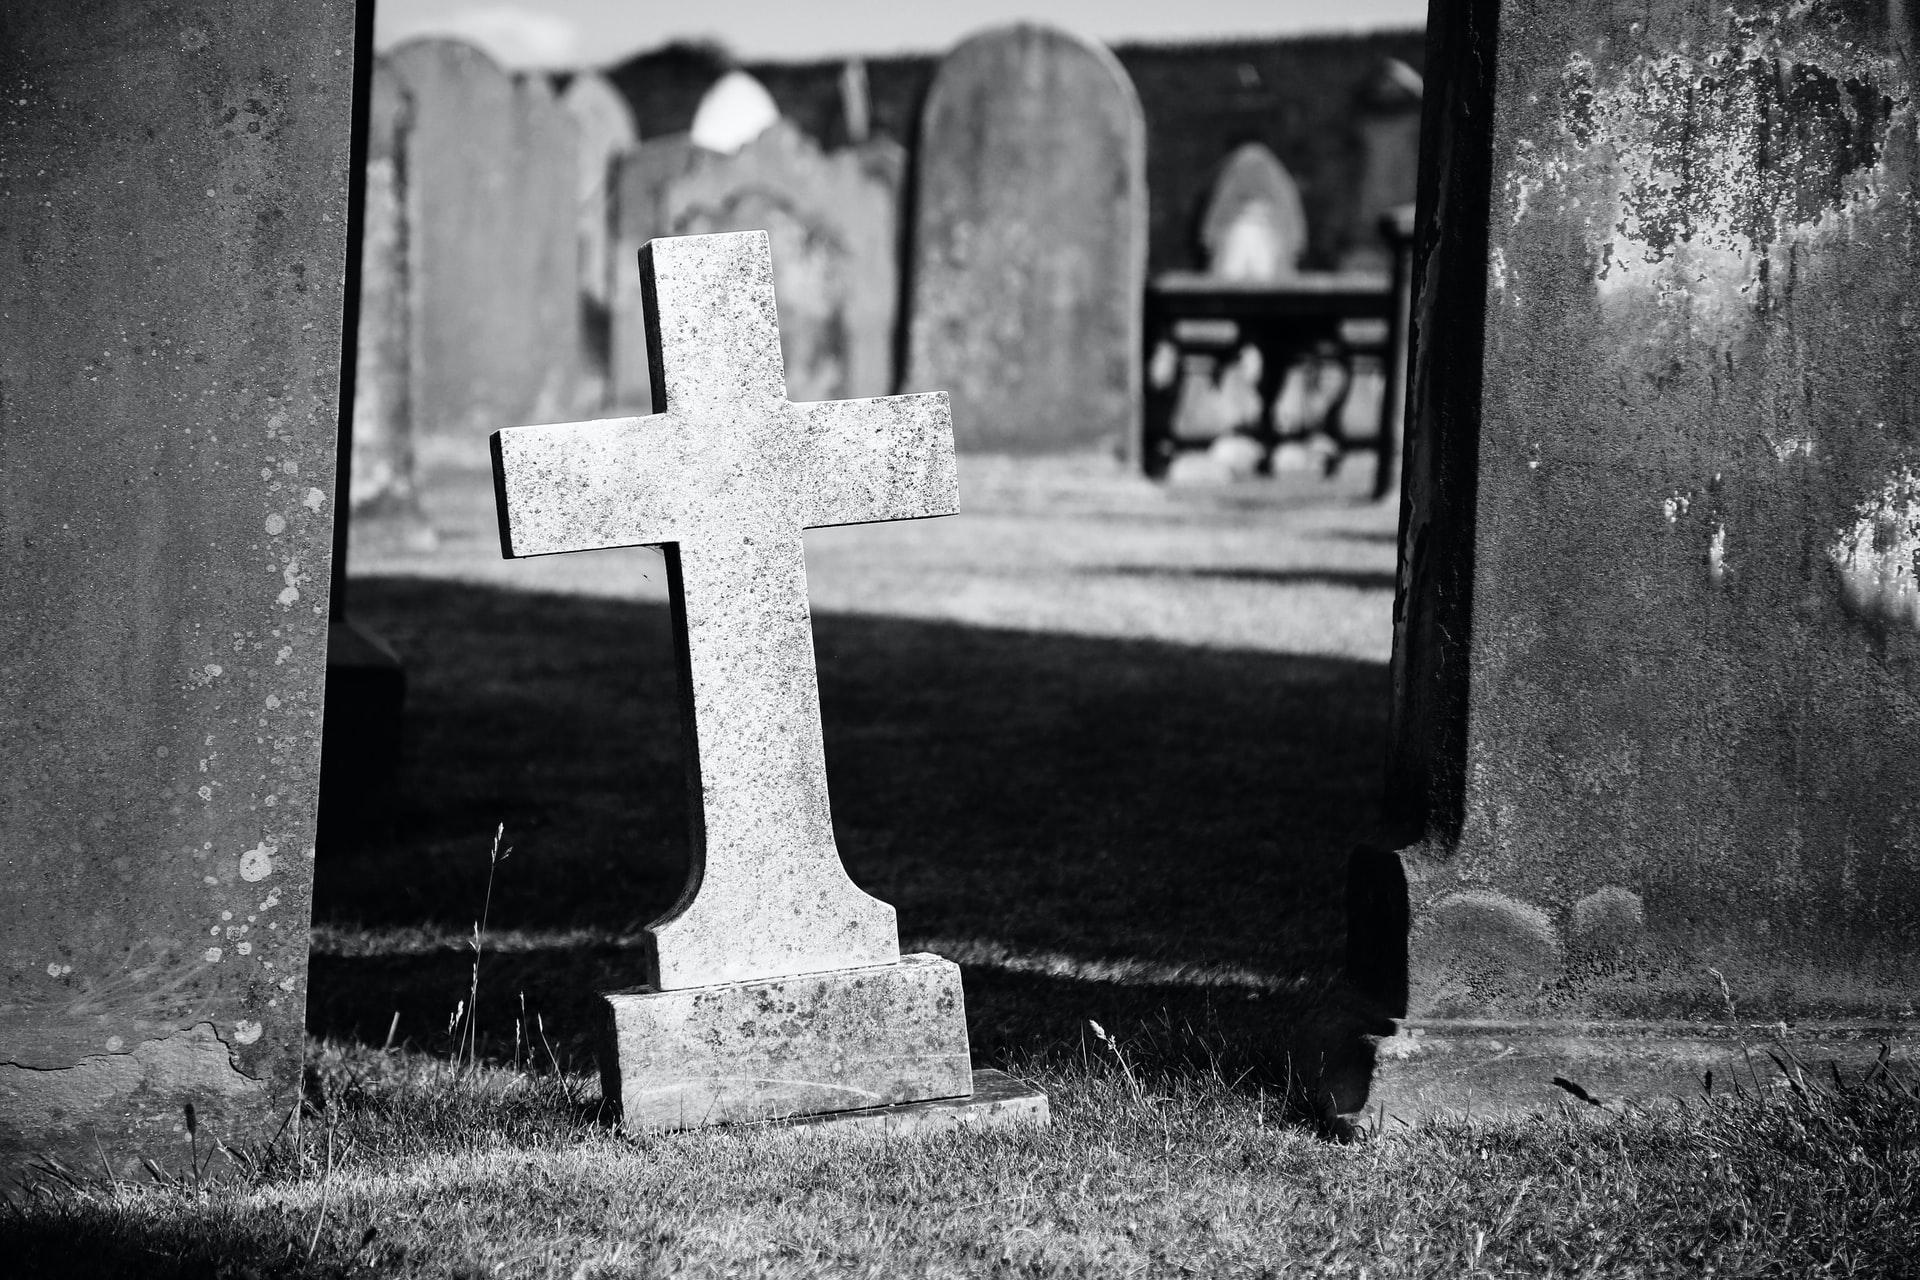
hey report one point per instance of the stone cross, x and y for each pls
(723, 477)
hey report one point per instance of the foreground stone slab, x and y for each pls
(174, 226)
(1657, 662)
(731, 1052)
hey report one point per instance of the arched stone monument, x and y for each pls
(1029, 246)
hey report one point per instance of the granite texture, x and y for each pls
(1657, 662)
(725, 479)
(173, 221)
(1030, 244)
(820, 1042)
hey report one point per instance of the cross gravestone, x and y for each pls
(775, 986)
(1030, 244)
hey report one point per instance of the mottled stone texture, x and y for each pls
(1029, 245)
(173, 225)
(1657, 670)
(493, 250)
(838, 1041)
(726, 477)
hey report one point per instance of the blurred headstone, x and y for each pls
(1254, 227)
(383, 482)
(640, 179)
(775, 986)
(735, 111)
(834, 223)
(1389, 121)
(1652, 762)
(490, 164)
(1029, 247)
(174, 221)
(604, 129)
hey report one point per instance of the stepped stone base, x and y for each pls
(844, 1040)
(1450, 1068)
(998, 1100)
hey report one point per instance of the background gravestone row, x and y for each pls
(997, 248)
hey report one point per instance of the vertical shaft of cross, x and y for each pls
(767, 894)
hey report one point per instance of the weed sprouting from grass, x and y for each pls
(464, 1025)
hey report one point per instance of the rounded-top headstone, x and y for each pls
(1029, 256)
(1254, 227)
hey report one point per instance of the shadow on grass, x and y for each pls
(1140, 833)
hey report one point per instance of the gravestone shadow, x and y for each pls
(1150, 835)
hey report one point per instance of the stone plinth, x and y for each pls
(838, 1041)
(1657, 665)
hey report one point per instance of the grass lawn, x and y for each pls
(1104, 744)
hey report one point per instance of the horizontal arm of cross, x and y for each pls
(580, 486)
(889, 458)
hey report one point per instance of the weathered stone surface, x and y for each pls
(1474, 946)
(1029, 246)
(1666, 407)
(834, 1041)
(725, 478)
(173, 220)
(1254, 227)
(491, 176)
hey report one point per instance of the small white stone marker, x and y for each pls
(776, 986)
